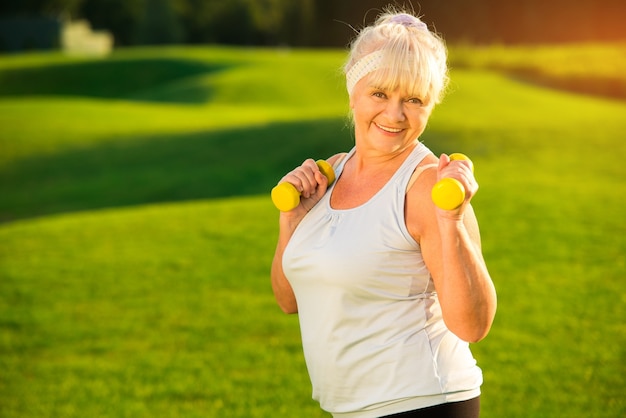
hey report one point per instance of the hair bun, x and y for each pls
(407, 20)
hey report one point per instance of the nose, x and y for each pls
(395, 111)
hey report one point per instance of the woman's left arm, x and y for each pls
(450, 244)
(466, 291)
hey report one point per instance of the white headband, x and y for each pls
(373, 61)
(364, 66)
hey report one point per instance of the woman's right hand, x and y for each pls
(310, 182)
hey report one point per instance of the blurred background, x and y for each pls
(139, 140)
(31, 24)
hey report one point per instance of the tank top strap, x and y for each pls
(418, 171)
(340, 164)
(407, 173)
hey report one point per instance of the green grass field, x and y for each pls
(136, 230)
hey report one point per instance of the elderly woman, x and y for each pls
(390, 289)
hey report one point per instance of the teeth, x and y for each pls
(391, 130)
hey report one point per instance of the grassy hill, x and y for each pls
(137, 231)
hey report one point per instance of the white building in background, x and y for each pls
(78, 38)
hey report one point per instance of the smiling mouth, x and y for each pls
(390, 130)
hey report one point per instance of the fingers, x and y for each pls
(460, 170)
(444, 160)
(307, 179)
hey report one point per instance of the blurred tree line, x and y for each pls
(330, 22)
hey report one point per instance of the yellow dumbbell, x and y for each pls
(449, 193)
(286, 197)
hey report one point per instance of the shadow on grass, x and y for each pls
(132, 78)
(133, 171)
(608, 87)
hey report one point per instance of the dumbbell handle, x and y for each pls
(449, 193)
(285, 195)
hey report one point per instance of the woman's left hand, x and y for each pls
(460, 170)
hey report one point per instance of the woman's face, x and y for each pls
(387, 121)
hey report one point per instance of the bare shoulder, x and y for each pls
(421, 212)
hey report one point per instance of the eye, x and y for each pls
(415, 100)
(379, 94)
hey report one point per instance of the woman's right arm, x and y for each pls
(312, 184)
(280, 285)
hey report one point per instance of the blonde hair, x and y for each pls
(406, 55)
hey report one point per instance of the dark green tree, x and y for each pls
(159, 23)
(214, 21)
(282, 21)
(39, 8)
(121, 17)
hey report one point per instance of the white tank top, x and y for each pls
(373, 335)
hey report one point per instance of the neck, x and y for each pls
(371, 160)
